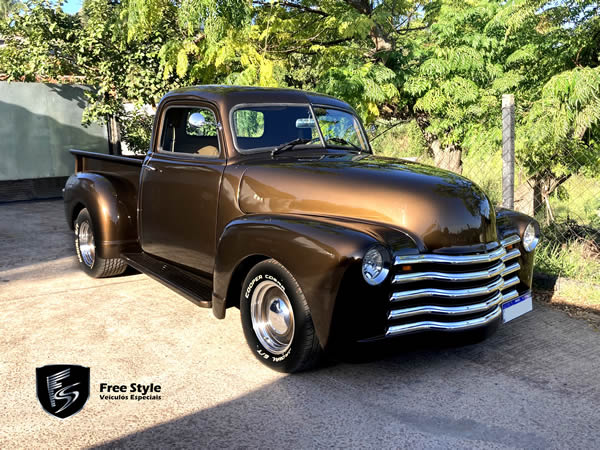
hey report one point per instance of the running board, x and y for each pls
(195, 288)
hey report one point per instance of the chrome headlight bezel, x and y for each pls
(375, 265)
(531, 237)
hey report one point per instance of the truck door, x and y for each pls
(179, 187)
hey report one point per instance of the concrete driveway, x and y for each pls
(534, 384)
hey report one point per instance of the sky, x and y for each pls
(72, 6)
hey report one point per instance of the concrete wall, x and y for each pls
(39, 123)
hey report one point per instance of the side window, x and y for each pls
(201, 122)
(249, 123)
(191, 131)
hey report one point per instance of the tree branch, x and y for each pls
(322, 43)
(291, 5)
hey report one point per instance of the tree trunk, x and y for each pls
(448, 158)
(544, 186)
(114, 136)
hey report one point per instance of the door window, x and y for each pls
(190, 130)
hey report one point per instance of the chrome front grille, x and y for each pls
(452, 292)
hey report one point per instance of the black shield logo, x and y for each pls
(62, 389)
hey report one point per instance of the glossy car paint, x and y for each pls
(317, 212)
(183, 235)
(437, 208)
(107, 186)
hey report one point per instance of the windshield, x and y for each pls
(266, 127)
(340, 128)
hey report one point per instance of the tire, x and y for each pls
(276, 319)
(85, 247)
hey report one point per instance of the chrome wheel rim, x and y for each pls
(87, 246)
(272, 317)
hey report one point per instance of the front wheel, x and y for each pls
(85, 246)
(276, 319)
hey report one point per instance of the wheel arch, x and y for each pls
(316, 251)
(112, 212)
(237, 277)
(77, 208)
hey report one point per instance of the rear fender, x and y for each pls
(112, 207)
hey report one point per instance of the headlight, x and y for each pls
(530, 237)
(375, 265)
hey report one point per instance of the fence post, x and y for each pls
(508, 151)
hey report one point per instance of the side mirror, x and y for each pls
(196, 121)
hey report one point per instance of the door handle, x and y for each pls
(149, 167)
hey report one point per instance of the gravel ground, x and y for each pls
(534, 384)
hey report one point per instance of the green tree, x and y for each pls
(545, 52)
(46, 44)
(443, 64)
(8, 7)
(286, 43)
(558, 62)
(456, 87)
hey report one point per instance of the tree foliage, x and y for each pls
(442, 64)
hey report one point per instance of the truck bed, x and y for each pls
(84, 161)
(122, 169)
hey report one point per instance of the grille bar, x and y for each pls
(510, 269)
(510, 295)
(446, 276)
(510, 240)
(446, 310)
(451, 259)
(511, 254)
(448, 293)
(396, 330)
(511, 282)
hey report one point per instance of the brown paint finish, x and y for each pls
(183, 235)
(439, 208)
(316, 211)
(108, 187)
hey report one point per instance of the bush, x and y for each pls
(570, 250)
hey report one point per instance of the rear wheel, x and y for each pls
(85, 246)
(276, 319)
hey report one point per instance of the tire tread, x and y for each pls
(102, 267)
(110, 267)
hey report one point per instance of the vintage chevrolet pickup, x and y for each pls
(271, 200)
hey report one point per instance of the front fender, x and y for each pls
(510, 222)
(112, 208)
(317, 251)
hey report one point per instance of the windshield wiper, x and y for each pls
(344, 142)
(289, 145)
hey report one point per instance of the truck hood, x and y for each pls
(436, 207)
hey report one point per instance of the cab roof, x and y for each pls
(230, 96)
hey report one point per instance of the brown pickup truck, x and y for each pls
(271, 200)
